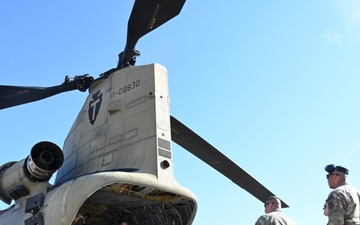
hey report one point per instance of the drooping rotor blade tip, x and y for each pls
(196, 145)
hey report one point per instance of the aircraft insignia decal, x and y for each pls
(94, 106)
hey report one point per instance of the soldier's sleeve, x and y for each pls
(336, 211)
(261, 220)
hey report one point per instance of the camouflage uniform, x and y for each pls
(344, 207)
(274, 218)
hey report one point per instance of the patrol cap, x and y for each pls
(331, 168)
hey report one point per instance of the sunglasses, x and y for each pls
(330, 174)
(267, 204)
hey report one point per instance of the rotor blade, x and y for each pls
(15, 95)
(146, 16)
(192, 142)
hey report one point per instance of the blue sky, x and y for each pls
(273, 85)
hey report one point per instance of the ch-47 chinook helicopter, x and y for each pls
(116, 163)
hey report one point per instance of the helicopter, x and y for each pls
(116, 163)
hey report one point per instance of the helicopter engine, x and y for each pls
(18, 179)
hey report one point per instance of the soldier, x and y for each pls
(326, 209)
(273, 215)
(343, 201)
(78, 220)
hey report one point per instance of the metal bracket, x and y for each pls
(36, 219)
(33, 204)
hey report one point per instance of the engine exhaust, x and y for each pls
(44, 159)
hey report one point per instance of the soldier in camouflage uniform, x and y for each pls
(273, 215)
(326, 209)
(343, 201)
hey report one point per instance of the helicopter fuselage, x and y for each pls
(118, 159)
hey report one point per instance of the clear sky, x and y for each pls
(273, 85)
